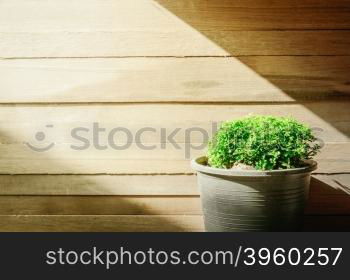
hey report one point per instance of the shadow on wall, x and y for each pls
(332, 195)
(300, 48)
(90, 203)
(329, 203)
(289, 43)
(73, 202)
(305, 64)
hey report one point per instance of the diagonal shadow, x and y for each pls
(296, 78)
(259, 40)
(286, 60)
(328, 206)
(30, 202)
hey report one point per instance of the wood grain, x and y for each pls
(19, 15)
(143, 63)
(266, 18)
(90, 15)
(184, 42)
(100, 185)
(243, 79)
(101, 223)
(320, 42)
(101, 205)
(142, 185)
(124, 43)
(329, 195)
(19, 159)
(161, 155)
(139, 223)
(20, 123)
(206, 4)
(309, 67)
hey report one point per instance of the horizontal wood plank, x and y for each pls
(331, 184)
(243, 79)
(101, 205)
(139, 223)
(309, 67)
(20, 15)
(101, 223)
(100, 185)
(172, 43)
(322, 186)
(125, 43)
(152, 153)
(206, 4)
(214, 17)
(188, 123)
(89, 15)
(321, 42)
(329, 195)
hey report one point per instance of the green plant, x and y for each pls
(263, 142)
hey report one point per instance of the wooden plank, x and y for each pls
(111, 44)
(89, 15)
(139, 223)
(101, 223)
(322, 186)
(101, 205)
(205, 4)
(100, 185)
(331, 184)
(329, 195)
(266, 18)
(321, 42)
(19, 159)
(161, 155)
(315, 68)
(173, 43)
(20, 123)
(22, 15)
(243, 79)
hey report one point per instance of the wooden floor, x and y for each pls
(172, 66)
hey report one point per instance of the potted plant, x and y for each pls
(256, 174)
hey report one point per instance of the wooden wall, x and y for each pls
(163, 64)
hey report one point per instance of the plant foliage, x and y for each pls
(263, 142)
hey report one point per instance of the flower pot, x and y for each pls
(252, 200)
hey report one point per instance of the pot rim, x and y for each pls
(199, 164)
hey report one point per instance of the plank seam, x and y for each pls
(166, 56)
(133, 174)
(213, 103)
